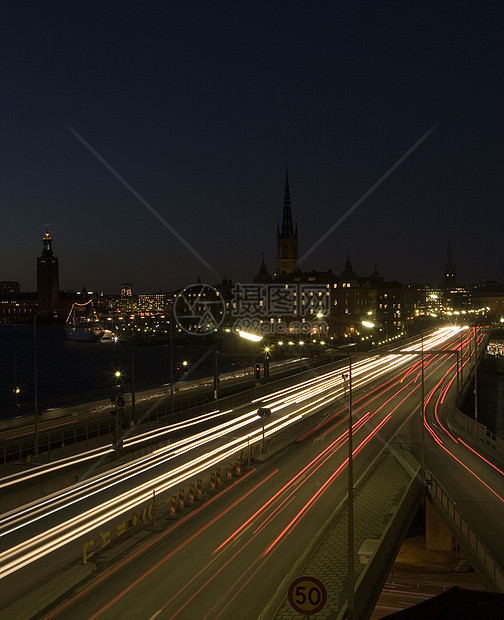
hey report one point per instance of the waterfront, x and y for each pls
(70, 372)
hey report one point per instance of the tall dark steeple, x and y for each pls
(263, 277)
(449, 272)
(348, 273)
(47, 277)
(287, 237)
(287, 227)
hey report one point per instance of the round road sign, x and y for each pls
(307, 595)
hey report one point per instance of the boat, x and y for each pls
(82, 323)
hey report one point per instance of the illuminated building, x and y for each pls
(126, 290)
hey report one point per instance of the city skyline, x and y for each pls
(199, 110)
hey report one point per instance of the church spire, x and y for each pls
(287, 227)
(287, 237)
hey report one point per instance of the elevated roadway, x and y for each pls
(244, 541)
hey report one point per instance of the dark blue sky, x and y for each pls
(201, 105)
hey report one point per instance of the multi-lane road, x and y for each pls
(226, 558)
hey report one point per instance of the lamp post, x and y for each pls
(216, 379)
(171, 364)
(369, 325)
(475, 375)
(462, 359)
(263, 413)
(35, 381)
(350, 536)
(253, 338)
(15, 389)
(422, 435)
(133, 397)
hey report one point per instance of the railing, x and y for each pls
(98, 432)
(382, 559)
(467, 537)
(478, 430)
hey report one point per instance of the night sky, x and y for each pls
(200, 106)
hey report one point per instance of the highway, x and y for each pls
(475, 483)
(259, 513)
(79, 422)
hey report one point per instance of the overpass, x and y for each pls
(455, 508)
(377, 539)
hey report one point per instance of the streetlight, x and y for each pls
(253, 337)
(350, 577)
(250, 336)
(263, 413)
(475, 375)
(133, 398)
(15, 389)
(35, 383)
(266, 363)
(367, 324)
(171, 363)
(422, 429)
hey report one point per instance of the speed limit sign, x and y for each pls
(307, 595)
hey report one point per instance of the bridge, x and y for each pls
(297, 521)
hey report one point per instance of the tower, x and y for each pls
(287, 238)
(47, 277)
(449, 272)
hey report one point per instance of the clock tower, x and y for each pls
(287, 238)
(47, 277)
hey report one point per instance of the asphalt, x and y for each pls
(375, 503)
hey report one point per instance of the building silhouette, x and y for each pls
(47, 277)
(449, 271)
(287, 238)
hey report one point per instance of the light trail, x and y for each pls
(283, 500)
(288, 405)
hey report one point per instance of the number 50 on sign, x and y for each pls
(307, 595)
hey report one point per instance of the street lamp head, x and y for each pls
(250, 336)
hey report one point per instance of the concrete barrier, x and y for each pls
(40, 599)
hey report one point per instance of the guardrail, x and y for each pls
(478, 554)
(384, 549)
(478, 430)
(99, 432)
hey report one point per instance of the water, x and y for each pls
(70, 372)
